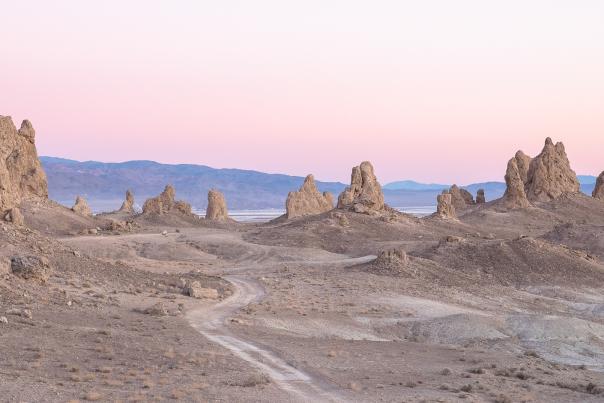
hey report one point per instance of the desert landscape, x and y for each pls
(341, 299)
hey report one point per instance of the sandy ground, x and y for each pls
(501, 313)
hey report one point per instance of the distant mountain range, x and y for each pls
(104, 185)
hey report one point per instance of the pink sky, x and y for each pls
(440, 91)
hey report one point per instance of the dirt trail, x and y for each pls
(210, 321)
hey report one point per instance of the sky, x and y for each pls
(433, 90)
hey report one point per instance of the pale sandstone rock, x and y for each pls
(392, 257)
(445, 208)
(81, 207)
(514, 196)
(15, 216)
(217, 208)
(195, 290)
(128, 205)
(460, 198)
(480, 198)
(165, 203)
(364, 195)
(598, 192)
(549, 175)
(308, 200)
(21, 174)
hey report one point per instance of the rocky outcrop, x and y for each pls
(514, 196)
(195, 290)
(392, 259)
(31, 268)
(364, 195)
(15, 216)
(549, 175)
(445, 208)
(523, 162)
(166, 203)
(217, 208)
(480, 198)
(308, 200)
(128, 204)
(21, 174)
(81, 207)
(543, 178)
(460, 198)
(598, 192)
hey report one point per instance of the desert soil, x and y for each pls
(495, 307)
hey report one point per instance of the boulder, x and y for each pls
(445, 208)
(514, 196)
(396, 257)
(364, 195)
(598, 192)
(217, 208)
(549, 175)
(81, 207)
(15, 216)
(128, 204)
(195, 290)
(480, 198)
(21, 174)
(308, 200)
(31, 267)
(158, 309)
(165, 203)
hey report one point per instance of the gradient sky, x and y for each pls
(440, 91)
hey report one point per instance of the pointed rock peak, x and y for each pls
(128, 205)
(364, 195)
(308, 200)
(81, 207)
(27, 130)
(548, 141)
(309, 183)
(480, 198)
(21, 174)
(598, 192)
(550, 175)
(515, 196)
(217, 208)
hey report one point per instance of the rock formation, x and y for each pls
(81, 207)
(514, 196)
(549, 175)
(364, 195)
(31, 267)
(543, 178)
(21, 174)
(460, 198)
(15, 216)
(308, 200)
(128, 205)
(165, 203)
(445, 208)
(523, 162)
(217, 208)
(598, 192)
(392, 259)
(480, 198)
